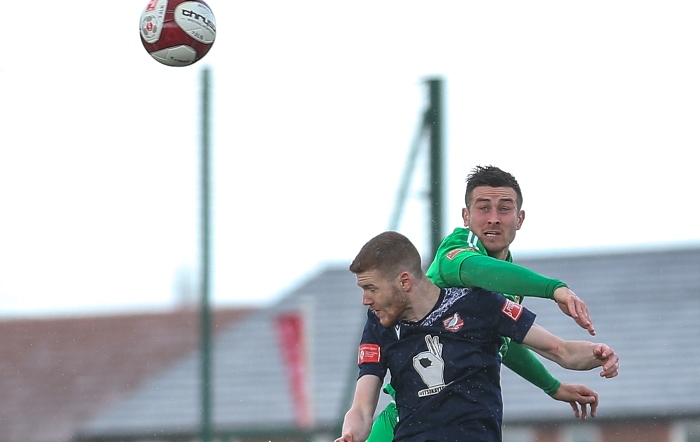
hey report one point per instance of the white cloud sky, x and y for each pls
(592, 106)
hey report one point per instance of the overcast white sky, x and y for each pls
(593, 106)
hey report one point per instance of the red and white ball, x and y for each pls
(177, 32)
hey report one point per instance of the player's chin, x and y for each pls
(387, 321)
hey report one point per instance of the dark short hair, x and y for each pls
(491, 176)
(390, 253)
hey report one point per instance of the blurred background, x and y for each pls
(591, 106)
(315, 106)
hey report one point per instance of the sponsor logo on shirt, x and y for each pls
(368, 353)
(454, 252)
(453, 323)
(512, 309)
(431, 367)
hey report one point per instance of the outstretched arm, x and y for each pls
(358, 420)
(573, 355)
(524, 363)
(476, 270)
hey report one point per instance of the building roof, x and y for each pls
(646, 305)
(249, 372)
(56, 373)
(643, 303)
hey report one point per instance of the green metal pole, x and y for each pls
(205, 320)
(434, 120)
(414, 150)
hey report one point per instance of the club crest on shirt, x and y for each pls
(368, 353)
(452, 253)
(512, 309)
(453, 323)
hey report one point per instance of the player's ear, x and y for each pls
(521, 218)
(465, 216)
(405, 281)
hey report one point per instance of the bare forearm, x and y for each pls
(572, 355)
(358, 420)
(357, 423)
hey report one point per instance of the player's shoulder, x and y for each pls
(461, 241)
(461, 302)
(452, 298)
(474, 299)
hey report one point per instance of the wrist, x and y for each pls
(552, 389)
(560, 293)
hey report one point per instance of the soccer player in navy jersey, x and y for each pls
(478, 255)
(441, 347)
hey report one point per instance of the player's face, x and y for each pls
(494, 217)
(383, 296)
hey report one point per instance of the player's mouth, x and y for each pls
(491, 233)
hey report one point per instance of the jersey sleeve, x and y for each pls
(523, 362)
(383, 426)
(466, 268)
(369, 354)
(509, 318)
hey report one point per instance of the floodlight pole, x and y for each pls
(433, 119)
(205, 320)
(430, 121)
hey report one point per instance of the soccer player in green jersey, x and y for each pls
(478, 255)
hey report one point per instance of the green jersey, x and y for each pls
(383, 426)
(462, 261)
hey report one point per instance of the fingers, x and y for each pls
(573, 306)
(579, 311)
(590, 399)
(611, 361)
(574, 406)
(610, 372)
(594, 407)
(434, 345)
(578, 397)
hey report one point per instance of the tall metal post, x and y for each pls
(205, 320)
(434, 120)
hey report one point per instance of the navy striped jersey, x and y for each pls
(446, 367)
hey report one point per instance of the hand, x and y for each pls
(354, 427)
(572, 305)
(429, 364)
(611, 361)
(578, 395)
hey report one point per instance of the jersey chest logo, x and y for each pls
(452, 253)
(431, 367)
(453, 323)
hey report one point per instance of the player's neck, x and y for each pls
(423, 301)
(501, 254)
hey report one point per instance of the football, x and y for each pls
(177, 32)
